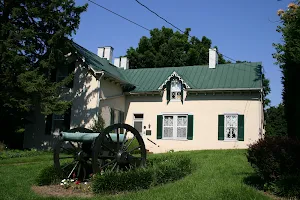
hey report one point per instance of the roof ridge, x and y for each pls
(157, 68)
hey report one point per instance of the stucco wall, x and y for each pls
(111, 96)
(205, 109)
(84, 97)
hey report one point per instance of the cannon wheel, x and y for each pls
(77, 155)
(121, 154)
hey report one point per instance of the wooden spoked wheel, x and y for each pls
(72, 159)
(118, 147)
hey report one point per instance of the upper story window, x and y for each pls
(175, 90)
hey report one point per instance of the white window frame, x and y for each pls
(237, 127)
(175, 90)
(138, 120)
(175, 116)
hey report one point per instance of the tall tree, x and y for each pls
(166, 48)
(34, 41)
(288, 58)
(275, 121)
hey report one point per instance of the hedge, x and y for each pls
(158, 171)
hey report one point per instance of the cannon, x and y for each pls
(80, 152)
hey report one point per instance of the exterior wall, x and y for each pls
(111, 96)
(205, 109)
(34, 136)
(84, 97)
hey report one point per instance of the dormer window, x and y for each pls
(174, 86)
(175, 90)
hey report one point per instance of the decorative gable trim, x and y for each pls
(174, 74)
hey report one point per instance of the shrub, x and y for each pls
(98, 124)
(277, 161)
(159, 170)
(48, 176)
(136, 179)
(2, 146)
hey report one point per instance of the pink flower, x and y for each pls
(74, 175)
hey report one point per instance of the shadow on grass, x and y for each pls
(255, 181)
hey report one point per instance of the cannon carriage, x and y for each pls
(81, 152)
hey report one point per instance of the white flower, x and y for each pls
(85, 183)
(61, 184)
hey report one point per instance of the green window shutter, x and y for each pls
(168, 91)
(221, 127)
(112, 116)
(190, 130)
(241, 128)
(159, 126)
(181, 93)
(122, 117)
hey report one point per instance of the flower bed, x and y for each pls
(159, 170)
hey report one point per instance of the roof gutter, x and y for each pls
(223, 89)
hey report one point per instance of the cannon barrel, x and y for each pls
(87, 137)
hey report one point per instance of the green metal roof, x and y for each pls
(224, 76)
(100, 64)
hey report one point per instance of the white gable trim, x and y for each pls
(174, 74)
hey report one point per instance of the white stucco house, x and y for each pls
(215, 106)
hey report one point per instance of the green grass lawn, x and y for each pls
(217, 175)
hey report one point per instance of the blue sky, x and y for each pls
(242, 29)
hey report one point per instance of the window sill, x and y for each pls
(173, 139)
(175, 100)
(231, 140)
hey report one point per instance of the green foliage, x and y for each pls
(276, 161)
(48, 176)
(275, 121)
(136, 179)
(34, 39)
(2, 147)
(159, 171)
(98, 125)
(288, 58)
(166, 48)
(20, 153)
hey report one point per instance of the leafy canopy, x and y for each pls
(34, 41)
(288, 58)
(275, 121)
(166, 48)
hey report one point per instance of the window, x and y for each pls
(231, 127)
(175, 126)
(57, 123)
(64, 72)
(138, 122)
(175, 90)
